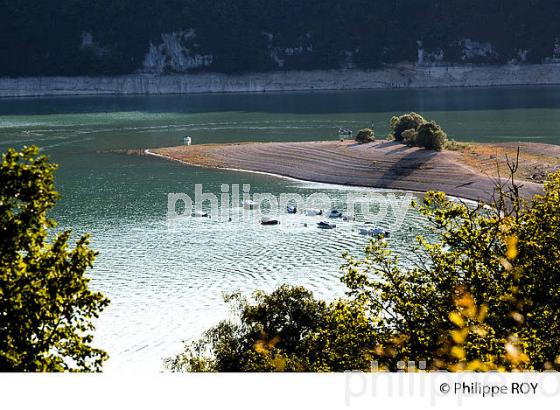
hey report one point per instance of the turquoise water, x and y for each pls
(166, 284)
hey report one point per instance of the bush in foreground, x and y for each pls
(484, 297)
(286, 330)
(46, 306)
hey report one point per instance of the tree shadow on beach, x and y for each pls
(407, 165)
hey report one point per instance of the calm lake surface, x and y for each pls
(166, 285)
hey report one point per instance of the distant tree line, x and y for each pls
(47, 37)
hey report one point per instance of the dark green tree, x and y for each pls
(365, 135)
(266, 336)
(401, 123)
(286, 330)
(429, 135)
(409, 136)
(46, 305)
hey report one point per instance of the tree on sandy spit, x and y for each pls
(46, 306)
(399, 124)
(429, 135)
(413, 129)
(485, 296)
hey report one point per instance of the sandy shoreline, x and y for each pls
(382, 164)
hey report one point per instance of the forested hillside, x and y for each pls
(74, 37)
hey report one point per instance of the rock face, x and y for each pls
(401, 76)
(177, 53)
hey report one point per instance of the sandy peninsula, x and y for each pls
(469, 171)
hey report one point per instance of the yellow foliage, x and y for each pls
(518, 317)
(466, 305)
(511, 243)
(482, 313)
(456, 319)
(515, 355)
(458, 352)
(264, 347)
(460, 335)
(470, 319)
(279, 363)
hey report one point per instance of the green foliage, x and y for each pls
(409, 136)
(365, 135)
(266, 336)
(484, 296)
(495, 256)
(453, 145)
(429, 135)
(413, 129)
(44, 37)
(46, 306)
(286, 330)
(400, 124)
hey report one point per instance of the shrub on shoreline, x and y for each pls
(365, 135)
(414, 130)
(399, 124)
(409, 136)
(430, 136)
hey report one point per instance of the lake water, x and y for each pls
(166, 285)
